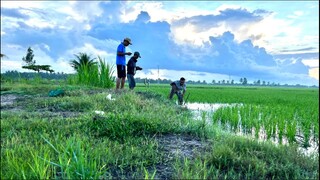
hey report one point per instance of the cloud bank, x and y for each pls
(227, 42)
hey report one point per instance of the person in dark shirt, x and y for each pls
(179, 88)
(132, 68)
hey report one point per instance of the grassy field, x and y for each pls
(143, 135)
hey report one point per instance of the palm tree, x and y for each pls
(82, 61)
(2, 55)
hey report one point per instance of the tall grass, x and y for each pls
(99, 74)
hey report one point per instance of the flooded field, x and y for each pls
(205, 111)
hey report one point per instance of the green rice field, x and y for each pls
(140, 134)
(287, 112)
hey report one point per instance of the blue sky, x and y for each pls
(272, 41)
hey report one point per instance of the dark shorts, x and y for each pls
(121, 71)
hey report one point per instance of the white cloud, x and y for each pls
(40, 23)
(89, 49)
(8, 65)
(62, 65)
(311, 62)
(314, 72)
(63, 28)
(22, 4)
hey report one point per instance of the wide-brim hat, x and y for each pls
(128, 40)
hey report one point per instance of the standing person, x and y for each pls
(121, 62)
(132, 68)
(179, 88)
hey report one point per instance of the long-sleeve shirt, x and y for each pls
(132, 66)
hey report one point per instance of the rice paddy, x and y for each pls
(96, 133)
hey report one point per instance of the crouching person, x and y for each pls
(179, 88)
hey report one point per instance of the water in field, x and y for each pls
(205, 111)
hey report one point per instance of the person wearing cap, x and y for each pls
(179, 88)
(132, 68)
(121, 62)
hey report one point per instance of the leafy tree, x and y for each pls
(213, 81)
(241, 81)
(31, 64)
(39, 67)
(82, 61)
(258, 82)
(2, 55)
(245, 82)
(28, 59)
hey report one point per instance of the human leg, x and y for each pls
(173, 91)
(119, 76)
(121, 71)
(123, 80)
(180, 98)
(118, 83)
(131, 81)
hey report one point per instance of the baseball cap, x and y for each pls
(128, 39)
(137, 54)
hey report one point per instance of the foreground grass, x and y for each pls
(62, 137)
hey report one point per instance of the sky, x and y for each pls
(271, 41)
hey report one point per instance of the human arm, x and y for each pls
(121, 50)
(119, 53)
(138, 68)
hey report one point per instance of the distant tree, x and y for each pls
(213, 81)
(223, 81)
(28, 59)
(245, 82)
(258, 82)
(241, 81)
(39, 67)
(31, 64)
(232, 81)
(263, 83)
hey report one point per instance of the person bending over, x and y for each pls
(179, 88)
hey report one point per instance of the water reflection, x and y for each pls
(200, 110)
(205, 111)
